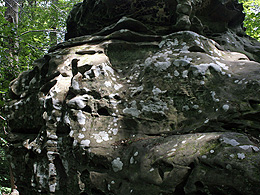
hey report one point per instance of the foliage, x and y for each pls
(4, 171)
(41, 24)
(252, 19)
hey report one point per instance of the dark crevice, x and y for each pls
(70, 95)
(243, 59)
(163, 167)
(63, 129)
(254, 104)
(199, 185)
(161, 173)
(52, 76)
(87, 109)
(196, 48)
(172, 126)
(117, 97)
(83, 193)
(120, 185)
(137, 93)
(95, 191)
(99, 164)
(179, 190)
(90, 52)
(84, 68)
(254, 117)
(94, 94)
(103, 111)
(232, 127)
(61, 173)
(45, 67)
(84, 177)
(204, 163)
(46, 88)
(89, 74)
(222, 190)
(98, 167)
(27, 131)
(153, 134)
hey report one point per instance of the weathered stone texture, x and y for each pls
(127, 110)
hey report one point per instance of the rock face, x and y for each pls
(131, 110)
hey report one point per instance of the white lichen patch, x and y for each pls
(195, 106)
(225, 107)
(206, 121)
(52, 187)
(78, 102)
(185, 61)
(176, 73)
(136, 153)
(101, 136)
(118, 86)
(71, 133)
(213, 95)
(203, 69)
(132, 110)
(185, 74)
(160, 60)
(107, 69)
(81, 136)
(231, 142)
(81, 118)
(56, 104)
(156, 91)
(241, 156)
(114, 131)
(156, 107)
(202, 82)
(52, 170)
(117, 164)
(75, 142)
(246, 147)
(162, 65)
(85, 143)
(108, 83)
(135, 90)
(168, 43)
(67, 120)
(75, 84)
(132, 160)
(185, 108)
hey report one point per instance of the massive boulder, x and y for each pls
(126, 109)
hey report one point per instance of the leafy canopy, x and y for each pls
(252, 19)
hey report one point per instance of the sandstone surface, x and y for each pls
(128, 105)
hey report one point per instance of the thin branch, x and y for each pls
(11, 6)
(30, 31)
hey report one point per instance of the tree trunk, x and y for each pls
(53, 35)
(11, 15)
